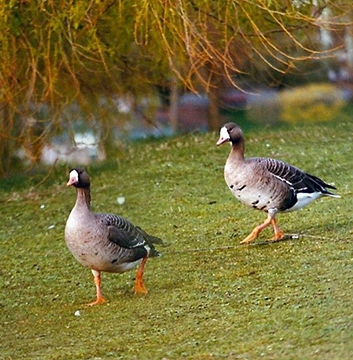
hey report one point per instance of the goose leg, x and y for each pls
(255, 233)
(278, 233)
(97, 281)
(271, 219)
(139, 285)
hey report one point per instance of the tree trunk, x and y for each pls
(173, 107)
(214, 118)
(5, 143)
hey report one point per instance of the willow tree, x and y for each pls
(212, 42)
(55, 53)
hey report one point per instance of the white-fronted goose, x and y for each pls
(267, 184)
(105, 242)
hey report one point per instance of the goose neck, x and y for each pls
(237, 152)
(83, 197)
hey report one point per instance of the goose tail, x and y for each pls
(151, 240)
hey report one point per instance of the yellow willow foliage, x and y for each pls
(55, 53)
(58, 53)
(208, 39)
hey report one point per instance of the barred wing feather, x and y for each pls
(300, 181)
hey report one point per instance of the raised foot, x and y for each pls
(252, 236)
(99, 300)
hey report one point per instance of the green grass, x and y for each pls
(209, 297)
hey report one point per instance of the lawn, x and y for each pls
(209, 297)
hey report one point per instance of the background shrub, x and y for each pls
(312, 102)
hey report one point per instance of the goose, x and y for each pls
(105, 242)
(267, 184)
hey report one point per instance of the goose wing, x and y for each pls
(295, 178)
(122, 232)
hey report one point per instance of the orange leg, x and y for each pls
(255, 233)
(270, 220)
(97, 281)
(139, 285)
(278, 233)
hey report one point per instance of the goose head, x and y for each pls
(232, 133)
(78, 178)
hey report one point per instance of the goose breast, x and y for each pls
(254, 186)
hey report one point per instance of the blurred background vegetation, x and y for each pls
(77, 78)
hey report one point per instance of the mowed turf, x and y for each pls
(209, 297)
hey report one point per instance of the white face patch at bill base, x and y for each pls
(73, 177)
(223, 136)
